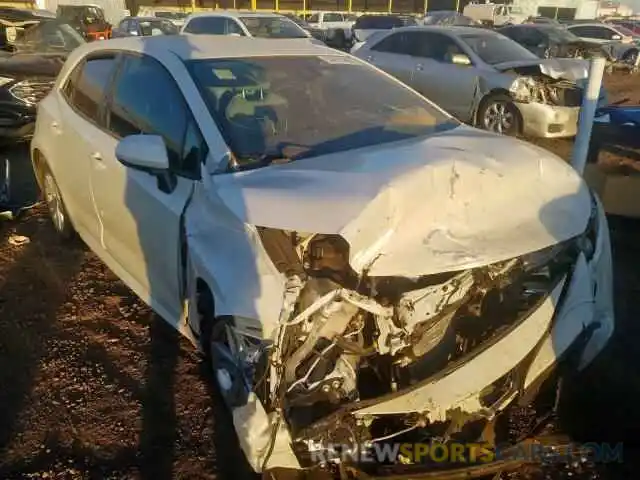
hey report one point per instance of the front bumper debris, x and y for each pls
(548, 121)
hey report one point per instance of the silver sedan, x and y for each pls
(483, 78)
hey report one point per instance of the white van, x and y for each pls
(494, 14)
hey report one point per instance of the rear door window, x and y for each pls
(86, 87)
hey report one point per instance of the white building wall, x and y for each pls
(585, 9)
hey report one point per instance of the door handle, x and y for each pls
(419, 67)
(55, 126)
(96, 156)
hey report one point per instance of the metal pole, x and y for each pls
(457, 5)
(426, 6)
(389, 6)
(587, 114)
(350, 7)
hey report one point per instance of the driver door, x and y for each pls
(139, 214)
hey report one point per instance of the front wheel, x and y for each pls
(55, 205)
(630, 57)
(499, 114)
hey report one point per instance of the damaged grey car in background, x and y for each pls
(354, 280)
(484, 78)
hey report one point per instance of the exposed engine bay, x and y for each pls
(345, 340)
(535, 86)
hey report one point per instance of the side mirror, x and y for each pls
(143, 152)
(460, 59)
(147, 153)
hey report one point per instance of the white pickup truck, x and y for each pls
(336, 27)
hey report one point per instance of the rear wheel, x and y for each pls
(631, 57)
(55, 205)
(498, 113)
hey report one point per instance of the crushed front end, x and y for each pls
(548, 99)
(357, 362)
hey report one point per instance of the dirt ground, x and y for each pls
(94, 386)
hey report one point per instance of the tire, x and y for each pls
(211, 329)
(498, 113)
(218, 345)
(630, 57)
(55, 205)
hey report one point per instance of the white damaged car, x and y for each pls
(358, 267)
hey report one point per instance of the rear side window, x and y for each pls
(207, 26)
(86, 86)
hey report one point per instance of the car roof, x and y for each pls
(589, 24)
(233, 14)
(201, 47)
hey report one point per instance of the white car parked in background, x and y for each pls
(244, 24)
(381, 268)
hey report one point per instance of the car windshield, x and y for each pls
(515, 10)
(559, 34)
(273, 27)
(157, 27)
(493, 49)
(48, 36)
(295, 107)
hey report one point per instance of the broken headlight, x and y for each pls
(521, 88)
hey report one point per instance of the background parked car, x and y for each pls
(244, 24)
(367, 25)
(494, 13)
(337, 26)
(177, 18)
(88, 20)
(631, 25)
(28, 74)
(448, 17)
(144, 27)
(622, 42)
(15, 20)
(549, 41)
(483, 78)
(317, 33)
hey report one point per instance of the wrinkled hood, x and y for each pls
(573, 69)
(455, 200)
